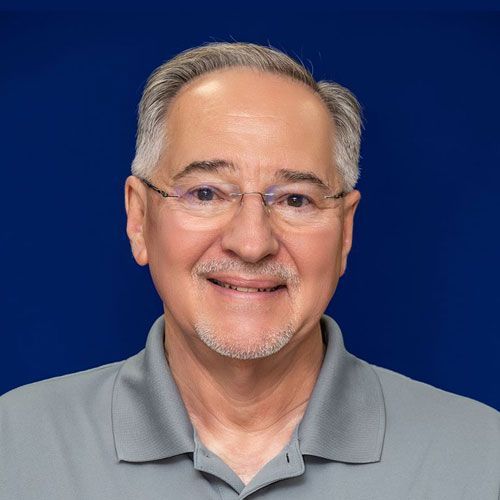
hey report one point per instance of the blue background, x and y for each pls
(421, 295)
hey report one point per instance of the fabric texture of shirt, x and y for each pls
(121, 431)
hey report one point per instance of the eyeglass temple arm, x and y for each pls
(154, 188)
(337, 196)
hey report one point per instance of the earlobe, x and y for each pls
(351, 204)
(135, 206)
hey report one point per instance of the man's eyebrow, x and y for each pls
(300, 176)
(210, 166)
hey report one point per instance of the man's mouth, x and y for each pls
(242, 288)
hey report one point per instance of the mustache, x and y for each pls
(260, 270)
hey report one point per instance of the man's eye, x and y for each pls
(202, 194)
(297, 200)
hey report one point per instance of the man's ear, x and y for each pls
(135, 206)
(351, 202)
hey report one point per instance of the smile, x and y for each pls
(244, 289)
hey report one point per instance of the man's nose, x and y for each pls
(250, 234)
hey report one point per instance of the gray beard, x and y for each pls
(271, 344)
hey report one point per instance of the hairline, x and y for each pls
(176, 75)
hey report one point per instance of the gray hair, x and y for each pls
(167, 80)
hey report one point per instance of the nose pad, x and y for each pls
(262, 197)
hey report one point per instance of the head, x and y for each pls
(252, 117)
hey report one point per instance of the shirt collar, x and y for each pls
(344, 420)
(345, 417)
(150, 421)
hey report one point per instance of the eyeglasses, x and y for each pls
(298, 203)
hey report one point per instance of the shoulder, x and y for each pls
(421, 393)
(57, 395)
(50, 428)
(421, 411)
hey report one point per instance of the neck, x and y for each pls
(244, 396)
(245, 411)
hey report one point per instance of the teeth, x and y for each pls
(243, 289)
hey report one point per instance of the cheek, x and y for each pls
(173, 249)
(318, 260)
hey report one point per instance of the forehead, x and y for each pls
(258, 121)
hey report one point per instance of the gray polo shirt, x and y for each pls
(121, 431)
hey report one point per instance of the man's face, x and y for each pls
(260, 124)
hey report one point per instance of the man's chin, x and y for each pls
(245, 344)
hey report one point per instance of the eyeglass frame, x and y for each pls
(164, 194)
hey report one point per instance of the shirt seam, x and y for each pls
(51, 380)
(112, 407)
(219, 489)
(379, 446)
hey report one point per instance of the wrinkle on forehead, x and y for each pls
(243, 114)
(251, 118)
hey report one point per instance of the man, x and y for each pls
(242, 203)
